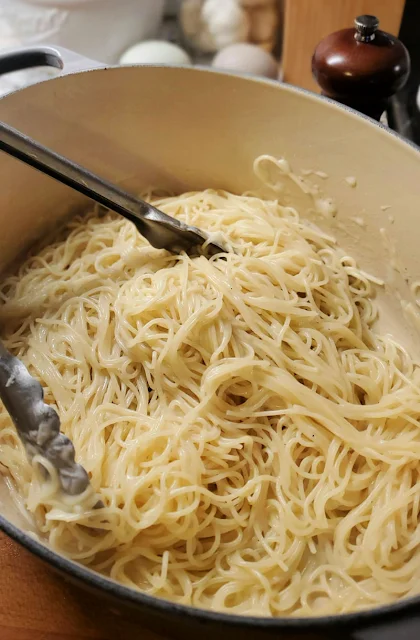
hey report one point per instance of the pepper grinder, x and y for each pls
(361, 67)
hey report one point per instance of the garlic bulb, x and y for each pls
(211, 25)
(253, 4)
(264, 18)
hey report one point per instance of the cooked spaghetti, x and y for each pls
(255, 443)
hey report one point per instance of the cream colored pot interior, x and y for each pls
(189, 129)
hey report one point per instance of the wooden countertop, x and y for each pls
(37, 604)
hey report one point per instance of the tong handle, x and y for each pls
(32, 153)
(161, 231)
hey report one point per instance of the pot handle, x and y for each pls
(46, 56)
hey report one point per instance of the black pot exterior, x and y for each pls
(400, 621)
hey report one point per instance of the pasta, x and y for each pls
(255, 443)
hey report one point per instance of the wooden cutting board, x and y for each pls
(36, 604)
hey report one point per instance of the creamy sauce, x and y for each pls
(351, 181)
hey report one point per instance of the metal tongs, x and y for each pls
(161, 230)
(37, 423)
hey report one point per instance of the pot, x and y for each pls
(190, 128)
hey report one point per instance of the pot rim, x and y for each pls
(127, 595)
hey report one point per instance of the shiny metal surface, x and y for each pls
(37, 423)
(161, 230)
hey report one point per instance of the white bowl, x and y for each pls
(99, 29)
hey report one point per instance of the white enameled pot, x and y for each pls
(190, 128)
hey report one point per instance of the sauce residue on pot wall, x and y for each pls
(395, 290)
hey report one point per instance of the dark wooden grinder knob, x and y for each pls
(361, 67)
